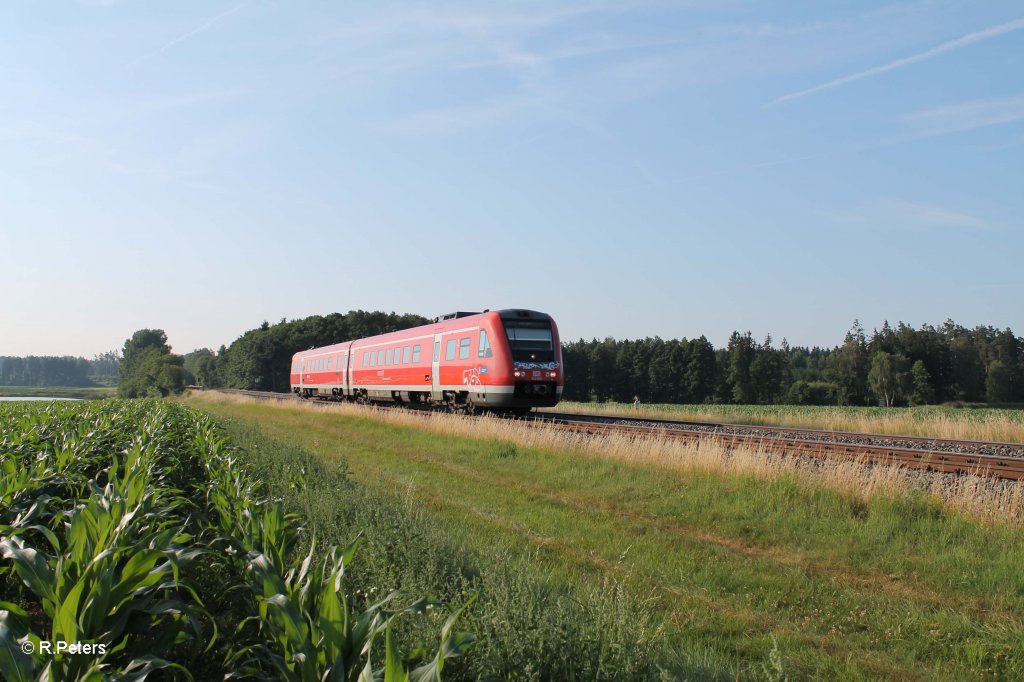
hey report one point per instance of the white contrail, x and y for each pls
(963, 41)
(189, 34)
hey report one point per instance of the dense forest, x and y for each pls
(33, 370)
(261, 358)
(894, 365)
(897, 365)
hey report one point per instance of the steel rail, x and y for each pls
(925, 441)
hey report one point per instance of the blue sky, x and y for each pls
(633, 168)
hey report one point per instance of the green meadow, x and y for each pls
(594, 567)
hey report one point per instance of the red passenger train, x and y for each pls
(505, 359)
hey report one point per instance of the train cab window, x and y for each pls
(449, 350)
(405, 355)
(464, 349)
(530, 340)
(380, 358)
(484, 351)
(387, 357)
(415, 354)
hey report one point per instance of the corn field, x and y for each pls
(120, 521)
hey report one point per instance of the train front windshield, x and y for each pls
(530, 340)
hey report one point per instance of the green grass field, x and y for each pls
(97, 392)
(617, 570)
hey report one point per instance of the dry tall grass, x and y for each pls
(991, 425)
(979, 497)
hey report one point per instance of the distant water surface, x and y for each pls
(34, 398)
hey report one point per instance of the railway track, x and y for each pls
(982, 458)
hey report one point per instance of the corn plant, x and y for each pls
(306, 634)
(104, 510)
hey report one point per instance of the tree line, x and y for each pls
(261, 358)
(66, 370)
(897, 365)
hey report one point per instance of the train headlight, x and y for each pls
(552, 374)
(517, 373)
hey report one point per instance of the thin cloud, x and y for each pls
(963, 41)
(901, 214)
(185, 36)
(930, 215)
(754, 166)
(965, 116)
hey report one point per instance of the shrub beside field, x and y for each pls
(135, 529)
(632, 565)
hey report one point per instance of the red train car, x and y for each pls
(504, 359)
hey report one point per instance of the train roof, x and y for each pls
(506, 314)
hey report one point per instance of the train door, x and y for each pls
(349, 391)
(435, 371)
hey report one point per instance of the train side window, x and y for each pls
(485, 345)
(449, 350)
(373, 358)
(415, 353)
(464, 348)
(437, 351)
(380, 358)
(405, 355)
(364, 359)
(387, 357)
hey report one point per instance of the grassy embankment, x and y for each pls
(697, 561)
(1006, 425)
(95, 392)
